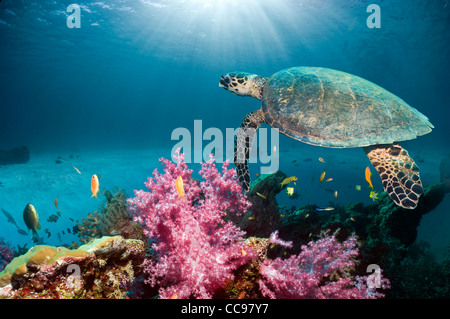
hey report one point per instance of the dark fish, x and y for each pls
(22, 232)
(68, 230)
(53, 218)
(10, 218)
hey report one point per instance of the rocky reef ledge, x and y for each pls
(103, 268)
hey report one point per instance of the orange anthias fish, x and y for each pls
(322, 177)
(368, 174)
(94, 185)
(56, 204)
(179, 186)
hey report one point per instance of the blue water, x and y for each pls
(136, 70)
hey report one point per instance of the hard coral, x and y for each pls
(196, 248)
(104, 268)
(320, 270)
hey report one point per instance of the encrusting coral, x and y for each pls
(103, 268)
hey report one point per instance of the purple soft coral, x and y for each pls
(6, 254)
(196, 249)
(305, 275)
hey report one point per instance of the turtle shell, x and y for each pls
(330, 108)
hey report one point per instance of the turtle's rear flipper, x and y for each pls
(399, 174)
(242, 146)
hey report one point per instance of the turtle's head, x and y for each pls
(244, 84)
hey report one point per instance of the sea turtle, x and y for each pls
(330, 108)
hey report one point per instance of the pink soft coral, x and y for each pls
(307, 275)
(196, 249)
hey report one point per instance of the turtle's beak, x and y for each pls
(224, 81)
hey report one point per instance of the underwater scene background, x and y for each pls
(109, 98)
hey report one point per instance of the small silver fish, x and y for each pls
(324, 209)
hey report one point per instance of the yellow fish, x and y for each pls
(373, 195)
(78, 171)
(174, 296)
(251, 218)
(179, 186)
(321, 160)
(358, 187)
(290, 190)
(261, 195)
(335, 194)
(329, 179)
(322, 177)
(94, 186)
(288, 180)
(243, 252)
(368, 174)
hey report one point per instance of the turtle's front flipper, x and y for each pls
(242, 146)
(398, 172)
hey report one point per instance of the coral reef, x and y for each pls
(383, 229)
(377, 225)
(419, 275)
(6, 254)
(200, 253)
(111, 219)
(103, 268)
(321, 270)
(263, 218)
(18, 155)
(196, 248)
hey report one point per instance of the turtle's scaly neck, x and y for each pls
(257, 82)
